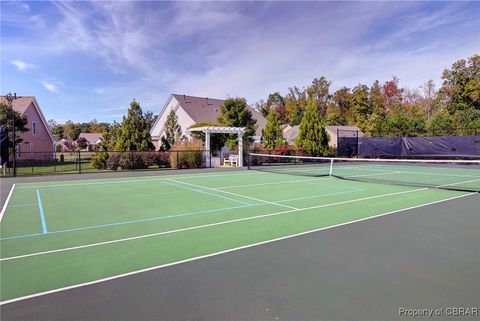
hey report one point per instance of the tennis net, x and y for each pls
(461, 175)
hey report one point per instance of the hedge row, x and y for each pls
(129, 160)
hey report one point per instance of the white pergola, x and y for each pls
(223, 130)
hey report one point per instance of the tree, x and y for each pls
(295, 104)
(151, 118)
(134, 132)
(173, 132)
(406, 123)
(441, 123)
(235, 113)
(319, 92)
(71, 130)
(312, 136)
(262, 107)
(338, 109)
(217, 140)
(272, 134)
(6, 121)
(361, 109)
(277, 102)
(461, 85)
(56, 128)
(82, 143)
(429, 97)
(392, 94)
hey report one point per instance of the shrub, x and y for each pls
(130, 160)
(288, 150)
(160, 159)
(188, 154)
(330, 152)
(99, 160)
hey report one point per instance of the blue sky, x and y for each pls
(86, 60)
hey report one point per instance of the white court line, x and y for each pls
(378, 174)
(223, 252)
(473, 180)
(206, 225)
(118, 180)
(4, 208)
(272, 183)
(235, 194)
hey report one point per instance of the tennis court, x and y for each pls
(56, 236)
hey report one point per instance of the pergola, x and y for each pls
(223, 130)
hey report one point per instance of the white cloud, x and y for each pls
(50, 86)
(21, 65)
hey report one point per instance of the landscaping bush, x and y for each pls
(160, 159)
(130, 160)
(330, 152)
(99, 160)
(187, 154)
(289, 151)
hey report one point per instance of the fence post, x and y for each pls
(132, 161)
(178, 165)
(210, 156)
(79, 163)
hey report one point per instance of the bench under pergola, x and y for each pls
(222, 130)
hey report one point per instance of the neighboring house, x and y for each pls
(341, 131)
(93, 139)
(191, 110)
(290, 133)
(38, 143)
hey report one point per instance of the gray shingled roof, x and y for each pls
(91, 137)
(203, 109)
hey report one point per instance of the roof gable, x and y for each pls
(200, 109)
(91, 138)
(22, 103)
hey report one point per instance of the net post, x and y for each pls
(331, 167)
(248, 160)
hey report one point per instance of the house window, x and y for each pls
(31, 148)
(34, 128)
(19, 151)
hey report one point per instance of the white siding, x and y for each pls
(184, 120)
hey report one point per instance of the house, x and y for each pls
(93, 140)
(341, 131)
(191, 110)
(290, 133)
(38, 142)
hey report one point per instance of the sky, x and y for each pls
(87, 60)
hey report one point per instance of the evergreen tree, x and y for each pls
(235, 113)
(312, 136)
(134, 132)
(173, 132)
(272, 134)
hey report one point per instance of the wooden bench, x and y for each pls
(231, 159)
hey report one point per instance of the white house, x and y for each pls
(191, 110)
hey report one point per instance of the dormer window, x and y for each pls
(34, 128)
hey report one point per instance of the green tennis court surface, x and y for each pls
(61, 234)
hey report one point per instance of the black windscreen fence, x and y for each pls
(438, 146)
(347, 142)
